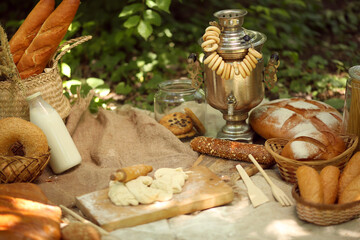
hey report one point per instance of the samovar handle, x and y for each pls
(270, 77)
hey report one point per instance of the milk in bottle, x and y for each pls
(64, 154)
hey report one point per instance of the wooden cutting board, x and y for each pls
(202, 190)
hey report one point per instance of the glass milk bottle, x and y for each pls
(64, 154)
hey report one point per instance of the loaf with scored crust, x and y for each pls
(29, 28)
(284, 118)
(47, 40)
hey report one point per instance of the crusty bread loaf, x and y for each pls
(79, 231)
(231, 149)
(25, 219)
(329, 176)
(351, 170)
(29, 28)
(314, 145)
(351, 192)
(285, 118)
(29, 191)
(46, 42)
(309, 183)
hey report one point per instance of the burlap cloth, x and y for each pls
(110, 140)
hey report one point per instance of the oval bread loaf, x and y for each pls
(351, 170)
(329, 176)
(310, 186)
(314, 145)
(351, 192)
(285, 118)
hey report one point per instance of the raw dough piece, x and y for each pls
(143, 193)
(120, 195)
(170, 179)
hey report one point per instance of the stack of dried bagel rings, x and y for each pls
(216, 63)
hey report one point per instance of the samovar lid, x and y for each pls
(235, 39)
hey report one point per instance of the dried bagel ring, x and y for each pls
(220, 69)
(213, 28)
(211, 63)
(255, 53)
(208, 42)
(209, 58)
(253, 59)
(232, 72)
(245, 68)
(250, 61)
(236, 68)
(228, 70)
(247, 63)
(242, 71)
(212, 48)
(217, 39)
(223, 75)
(210, 34)
(217, 64)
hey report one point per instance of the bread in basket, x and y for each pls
(288, 167)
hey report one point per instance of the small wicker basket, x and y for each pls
(22, 169)
(324, 214)
(288, 167)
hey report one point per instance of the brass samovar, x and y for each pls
(235, 93)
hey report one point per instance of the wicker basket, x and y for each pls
(22, 169)
(289, 166)
(324, 214)
(13, 94)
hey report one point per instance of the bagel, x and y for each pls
(18, 134)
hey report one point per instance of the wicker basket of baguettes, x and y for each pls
(30, 65)
(304, 138)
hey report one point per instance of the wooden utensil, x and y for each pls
(279, 195)
(129, 173)
(256, 196)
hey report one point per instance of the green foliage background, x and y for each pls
(139, 43)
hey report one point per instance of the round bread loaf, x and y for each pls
(284, 118)
(314, 145)
(21, 137)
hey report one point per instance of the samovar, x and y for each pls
(235, 95)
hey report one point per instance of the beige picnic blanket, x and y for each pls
(110, 140)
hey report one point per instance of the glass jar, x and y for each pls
(351, 113)
(175, 95)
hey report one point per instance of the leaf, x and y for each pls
(164, 5)
(94, 82)
(132, 21)
(123, 89)
(145, 29)
(131, 9)
(150, 3)
(66, 70)
(152, 17)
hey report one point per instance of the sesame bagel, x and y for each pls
(21, 137)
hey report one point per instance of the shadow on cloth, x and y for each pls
(108, 141)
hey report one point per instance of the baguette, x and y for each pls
(231, 149)
(46, 42)
(351, 170)
(351, 193)
(310, 186)
(329, 176)
(29, 28)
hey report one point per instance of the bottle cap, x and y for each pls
(33, 96)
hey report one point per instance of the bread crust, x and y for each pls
(329, 176)
(351, 170)
(231, 149)
(16, 130)
(46, 42)
(284, 118)
(29, 28)
(351, 193)
(309, 183)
